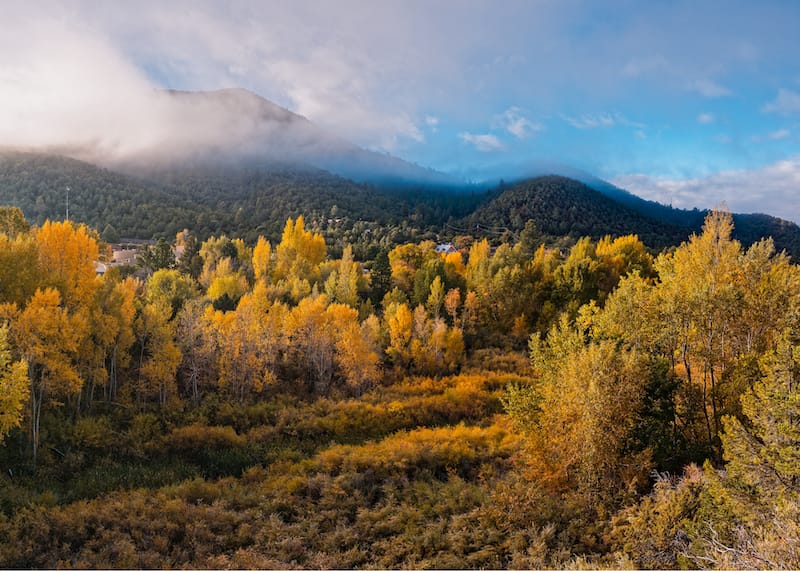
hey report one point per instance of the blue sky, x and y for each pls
(691, 103)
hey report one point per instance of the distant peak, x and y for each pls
(241, 100)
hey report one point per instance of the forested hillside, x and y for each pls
(276, 404)
(562, 206)
(37, 184)
(248, 200)
(235, 200)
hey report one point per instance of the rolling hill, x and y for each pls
(562, 206)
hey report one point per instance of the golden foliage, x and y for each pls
(14, 387)
(67, 254)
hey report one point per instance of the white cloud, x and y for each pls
(590, 121)
(778, 135)
(706, 118)
(485, 142)
(709, 88)
(69, 88)
(785, 102)
(432, 122)
(771, 189)
(514, 121)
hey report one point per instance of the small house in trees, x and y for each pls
(124, 257)
(447, 248)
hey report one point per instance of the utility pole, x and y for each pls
(68, 204)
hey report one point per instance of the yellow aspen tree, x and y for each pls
(20, 272)
(262, 260)
(356, 346)
(67, 254)
(299, 252)
(248, 344)
(424, 351)
(436, 297)
(454, 264)
(477, 270)
(105, 349)
(452, 301)
(46, 336)
(406, 260)
(159, 355)
(14, 386)
(342, 285)
(454, 350)
(121, 308)
(400, 325)
(312, 339)
(170, 287)
(197, 343)
(698, 283)
(224, 281)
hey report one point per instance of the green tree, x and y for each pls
(12, 221)
(158, 257)
(170, 287)
(380, 277)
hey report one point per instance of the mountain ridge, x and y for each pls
(248, 201)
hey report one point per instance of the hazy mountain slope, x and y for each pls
(238, 127)
(677, 216)
(748, 228)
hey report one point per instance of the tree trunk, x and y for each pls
(36, 413)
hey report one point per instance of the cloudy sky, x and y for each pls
(690, 103)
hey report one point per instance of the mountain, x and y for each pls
(246, 201)
(235, 127)
(562, 206)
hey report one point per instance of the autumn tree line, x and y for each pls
(638, 365)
